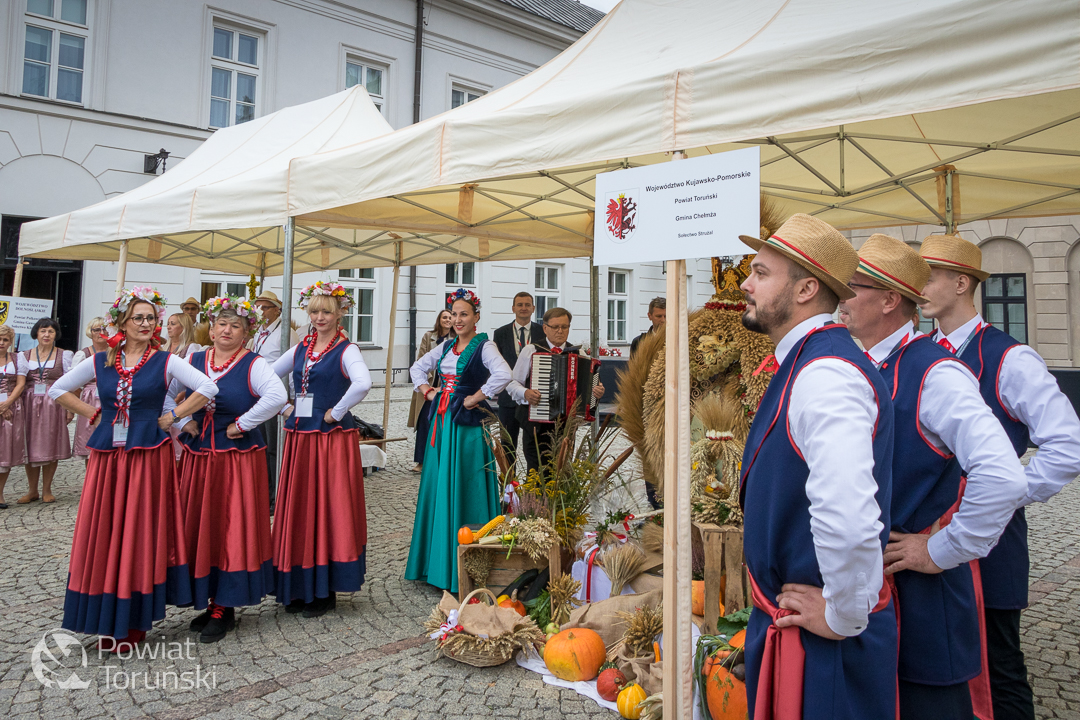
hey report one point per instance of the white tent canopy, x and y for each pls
(224, 206)
(863, 108)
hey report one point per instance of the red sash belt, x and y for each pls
(780, 681)
(979, 686)
(445, 393)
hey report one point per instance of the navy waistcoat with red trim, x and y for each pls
(854, 678)
(472, 378)
(149, 387)
(1005, 569)
(234, 398)
(939, 627)
(327, 382)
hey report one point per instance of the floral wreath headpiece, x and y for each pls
(332, 289)
(240, 305)
(112, 334)
(462, 294)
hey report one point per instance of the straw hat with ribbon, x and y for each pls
(270, 297)
(893, 264)
(816, 246)
(191, 301)
(953, 252)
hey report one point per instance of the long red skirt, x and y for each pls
(320, 525)
(128, 558)
(226, 501)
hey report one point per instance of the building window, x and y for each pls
(461, 274)
(358, 321)
(54, 49)
(357, 274)
(546, 288)
(359, 72)
(1005, 304)
(234, 77)
(236, 289)
(618, 296)
(210, 290)
(459, 96)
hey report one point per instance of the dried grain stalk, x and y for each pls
(622, 563)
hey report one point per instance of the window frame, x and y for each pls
(236, 67)
(459, 275)
(56, 27)
(542, 295)
(1005, 300)
(615, 299)
(465, 85)
(363, 62)
(356, 285)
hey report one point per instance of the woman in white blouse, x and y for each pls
(128, 556)
(320, 521)
(181, 333)
(458, 485)
(88, 395)
(47, 440)
(12, 424)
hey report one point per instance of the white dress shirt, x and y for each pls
(352, 364)
(65, 358)
(175, 369)
(517, 336)
(954, 419)
(831, 418)
(522, 370)
(263, 382)
(16, 365)
(267, 341)
(489, 355)
(1031, 395)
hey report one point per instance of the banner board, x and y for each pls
(21, 313)
(678, 210)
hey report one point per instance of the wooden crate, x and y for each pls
(504, 570)
(724, 571)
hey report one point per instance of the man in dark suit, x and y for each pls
(510, 339)
(657, 315)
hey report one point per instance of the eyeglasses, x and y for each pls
(144, 319)
(865, 287)
(558, 328)
(99, 329)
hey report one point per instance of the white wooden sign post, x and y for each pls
(674, 212)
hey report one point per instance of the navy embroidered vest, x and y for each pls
(939, 638)
(777, 539)
(235, 397)
(472, 374)
(1005, 569)
(149, 387)
(327, 382)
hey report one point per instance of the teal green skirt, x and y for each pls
(458, 487)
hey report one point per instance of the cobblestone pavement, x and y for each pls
(370, 658)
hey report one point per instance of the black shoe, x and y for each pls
(222, 620)
(295, 606)
(199, 623)
(320, 606)
(3, 506)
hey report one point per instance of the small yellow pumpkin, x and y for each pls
(629, 699)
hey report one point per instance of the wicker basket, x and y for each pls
(486, 653)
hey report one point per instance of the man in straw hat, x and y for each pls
(192, 307)
(1026, 400)
(816, 490)
(267, 343)
(942, 429)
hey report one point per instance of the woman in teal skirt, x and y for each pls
(459, 485)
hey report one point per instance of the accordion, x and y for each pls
(561, 379)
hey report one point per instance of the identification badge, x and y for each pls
(3, 397)
(41, 389)
(305, 403)
(119, 434)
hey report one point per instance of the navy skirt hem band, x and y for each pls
(307, 584)
(233, 589)
(106, 614)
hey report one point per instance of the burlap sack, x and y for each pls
(603, 618)
(481, 619)
(646, 673)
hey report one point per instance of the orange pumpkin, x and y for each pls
(465, 536)
(738, 640)
(629, 699)
(725, 694)
(697, 598)
(575, 654)
(514, 604)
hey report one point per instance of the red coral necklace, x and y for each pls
(223, 368)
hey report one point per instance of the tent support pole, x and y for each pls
(16, 288)
(390, 341)
(121, 270)
(678, 644)
(286, 319)
(950, 222)
(594, 324)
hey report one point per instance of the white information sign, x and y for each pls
(21, 313)
(678, 210)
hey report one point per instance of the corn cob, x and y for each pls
(491, 525)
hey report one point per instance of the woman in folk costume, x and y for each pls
(128, 558)
(223, 486)
(12, 422)
(419, 408)
(47, 440)
(95, 330)
(320, 524)
(459, 484)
